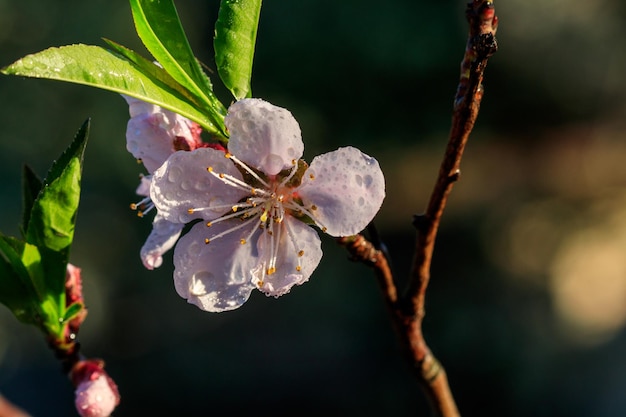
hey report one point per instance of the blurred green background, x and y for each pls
(527, 307)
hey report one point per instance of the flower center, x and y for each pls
(265, 208)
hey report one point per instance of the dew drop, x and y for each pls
(185, 185)
(199, 283)
(174, 174)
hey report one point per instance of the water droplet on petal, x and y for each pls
(174, 174)
(199, 282)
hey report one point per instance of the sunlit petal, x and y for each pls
(216, 276)
(264, 136)
(162, 238)
(344, 190)
(183, 183)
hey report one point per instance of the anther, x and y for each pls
(206, 241)
(208, 224)
(227, 155)
(298, 268)
(242, 241)
(210, 169)
(190, 211)
(324, 229)
(312, 176)
(270, 271)
(301, 253)
(313, 207)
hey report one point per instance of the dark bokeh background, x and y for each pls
(527, 305)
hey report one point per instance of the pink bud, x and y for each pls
(96, 393)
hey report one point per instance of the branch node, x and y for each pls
(420, 222)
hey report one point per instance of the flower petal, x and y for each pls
(299, 246)
(183, 183)
(153, 133)
(346, 187)
(264, 136)
(216, 276)
(162, 238)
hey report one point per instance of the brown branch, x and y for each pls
(408, 311)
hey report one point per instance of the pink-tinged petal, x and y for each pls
(96, 396)
(346, 187)
(183, 183)
(143, 189)
(215, 276)
(263, 136)
(153, 133)
(162, 238)
(299, 248)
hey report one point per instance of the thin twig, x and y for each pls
(408, 311)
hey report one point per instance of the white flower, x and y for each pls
(254, 202)
(152, 135)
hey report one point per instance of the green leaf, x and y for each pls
(235, 39)
(16, 289)
(25, 286)
(54, 211)
(31, 185)
(53, 217)
(97, 67)
(72, 311)
(160, 30)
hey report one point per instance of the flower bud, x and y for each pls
(96, 393)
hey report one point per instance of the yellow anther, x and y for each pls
(324, 229)
(313, 207)
(139, 160)
(293, 162)
(190, 211)
(260, 284)
(298, 268)
(206, 241)
(221, 175)
(270, 271)
(242, 241)
(208, 224)
(312, 176)
(227, 155)
(140, 213)
(301, 253)
(234, 208)
(210, 169)
(264, 216)
(133, 206)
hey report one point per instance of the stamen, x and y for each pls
(312, 176)
(143, 206)
(248, 170)
(291, 174)
(236, 182)
(298, 208)
(232, 229)
(292, 239)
